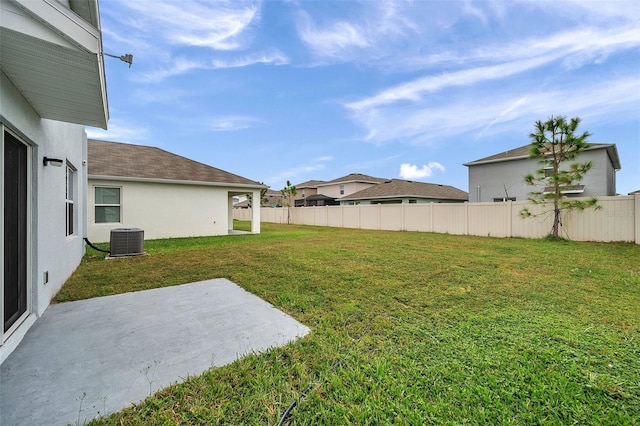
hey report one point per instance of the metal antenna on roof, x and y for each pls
(127, 57)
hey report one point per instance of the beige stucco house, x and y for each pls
(164, 194)
(500, 177)
(346, 185)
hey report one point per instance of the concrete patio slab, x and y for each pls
(93, 357)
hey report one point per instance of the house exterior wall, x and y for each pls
(164, 210)
(49, 250)
(307, 192)
(333, 190)
(488, 181)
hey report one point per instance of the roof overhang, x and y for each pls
(612, 151)
(53, 55)
(399, 197)
(239, 187)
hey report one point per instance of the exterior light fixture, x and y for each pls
(55, 162)
(127, 57)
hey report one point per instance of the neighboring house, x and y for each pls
(347, 185)
(304, 190)
(166, 195)
(317, 200)
(271, 199)
(398, 191)
(500, 177)
(52, 84)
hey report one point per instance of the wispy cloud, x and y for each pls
(572, 48)
(182, 65)
(366, 32)
(412, 171)
(230, 123)
(217, 25)
(271, 58)
(428, 122)
(413, 91)
(331, 40)
(176, 67)
(119, 131)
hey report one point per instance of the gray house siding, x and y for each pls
(487, 182)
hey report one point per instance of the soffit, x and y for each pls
(61, 74)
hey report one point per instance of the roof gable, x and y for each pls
(353, 177)
(522, 153)
(309, 184)
(121, 160)
(407, 188)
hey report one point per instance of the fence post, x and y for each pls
(509, 218)
(636, 215)
(466, 218)
(431, 218)
(404, 213)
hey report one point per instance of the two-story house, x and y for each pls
(500, 177)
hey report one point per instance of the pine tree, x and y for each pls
(554, 143)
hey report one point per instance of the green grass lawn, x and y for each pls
(407, 328)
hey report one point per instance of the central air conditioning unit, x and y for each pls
(127, 242)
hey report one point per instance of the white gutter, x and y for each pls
(177, 182)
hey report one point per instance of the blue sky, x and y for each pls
(299, 90)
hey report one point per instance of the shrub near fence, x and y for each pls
(616, 220)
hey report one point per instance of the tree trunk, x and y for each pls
(556, 219)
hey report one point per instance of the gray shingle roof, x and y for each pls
(354, 177)
(310, 184)
(522, 152)
(115, 159)
(404, 188)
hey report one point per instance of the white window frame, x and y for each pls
(96, 204)
(70, 200)
(341, 189)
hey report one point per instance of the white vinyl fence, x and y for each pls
(618, 219)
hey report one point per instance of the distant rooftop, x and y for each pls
(309, 184)
(523, 153)
(395, 188)
(354, 177)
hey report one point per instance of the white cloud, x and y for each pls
(181, 65)
(429, 122)
(411, 171)
(272, 58)
(573, 48)
(218, 25)
(325, 158)
(177, 67)
(119, 131)
(413, 91)
(230, 123)
(331, 40)
(366, 30)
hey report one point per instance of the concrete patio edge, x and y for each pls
(92, 357)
